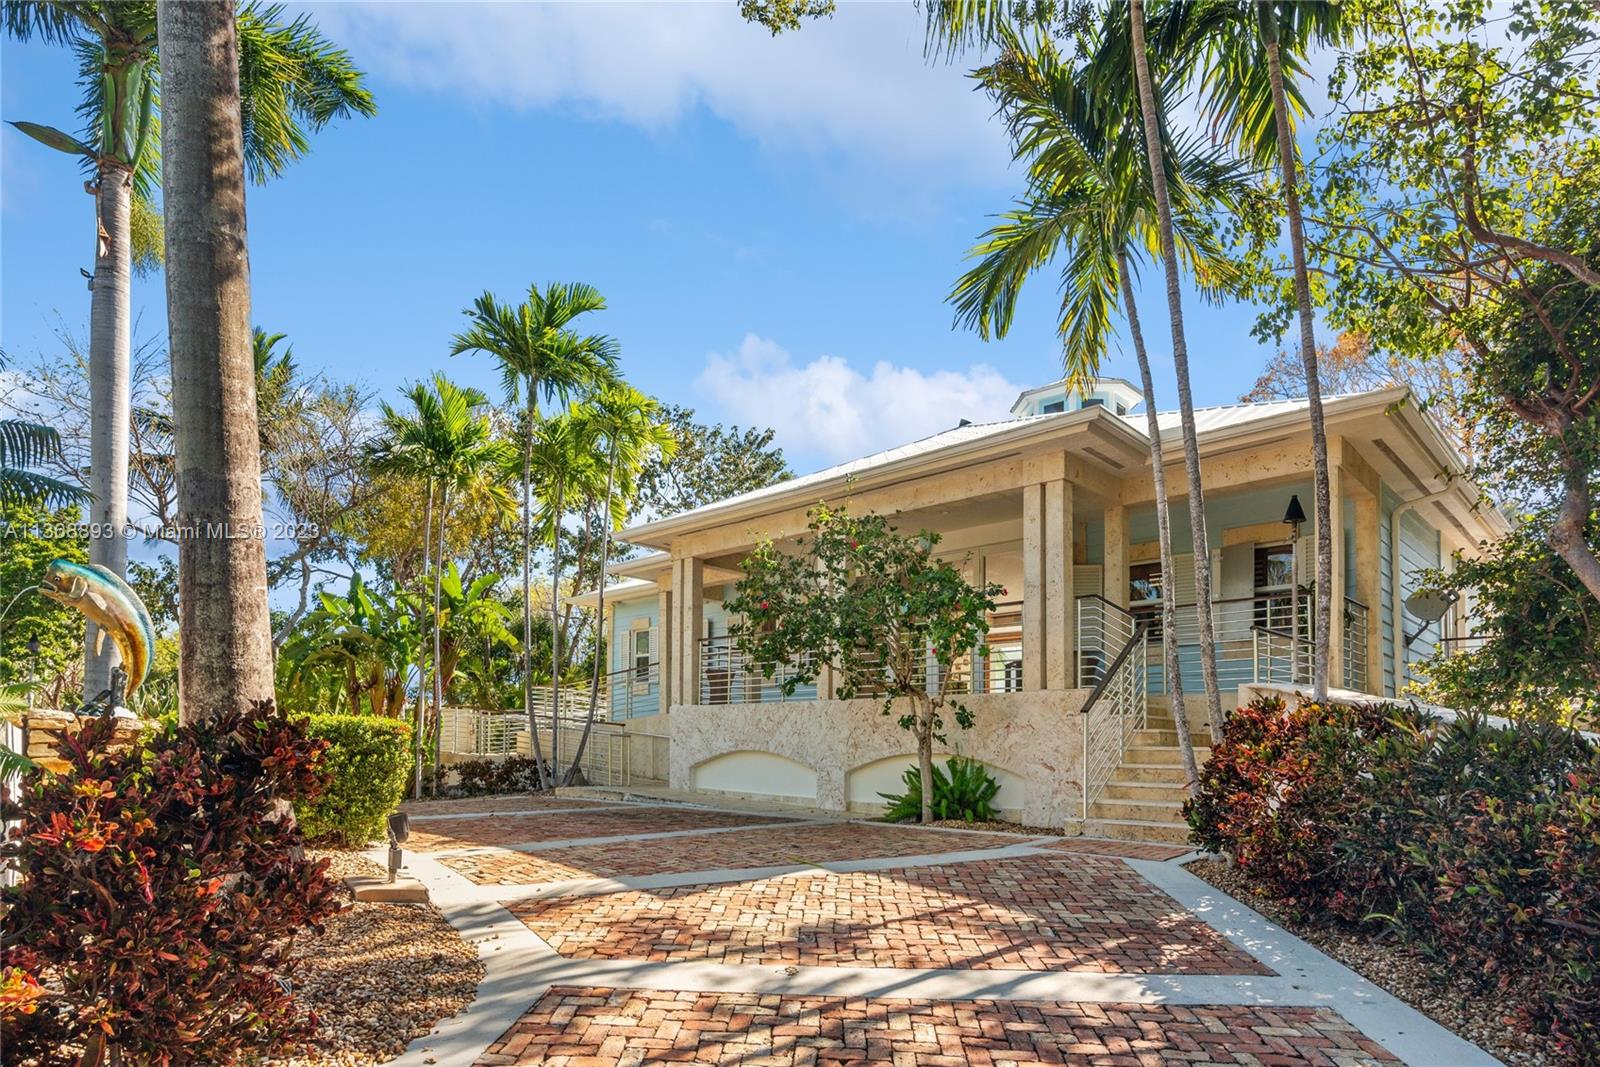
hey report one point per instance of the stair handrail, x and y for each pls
(1123, 688)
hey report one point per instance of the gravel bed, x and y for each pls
(1451, 1000)
(379, 976)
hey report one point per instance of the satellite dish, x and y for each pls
(1429, 605)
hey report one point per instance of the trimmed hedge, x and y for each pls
(369, 762)
(1477, 844)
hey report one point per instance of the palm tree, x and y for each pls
(566, 466)
(1119, 51)
(25, 446)
(291, 80)
(541, 356)
(627, 425)
(1089, 196)
(447, 440)
(1240, 50)
(225, 634)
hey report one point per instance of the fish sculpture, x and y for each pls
(112, 605)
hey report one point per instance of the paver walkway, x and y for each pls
(649, 934)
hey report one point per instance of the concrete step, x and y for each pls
(1170, 811)
(1164, 773)
(1167, 754)
(1136, 830)
(1117, 789)
(1168, 738)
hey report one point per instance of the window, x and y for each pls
(1122, 409)
(1053, 407)
(1144, 595)
(641, 655)
(1274, 587)
(1093, 402)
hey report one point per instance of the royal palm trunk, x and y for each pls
(1171, 661)
(225, 637)
(109, 396)
(1322, 602)
(527, 591)
(600, 647)
(1180, 365)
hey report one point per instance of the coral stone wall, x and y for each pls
(1032, 742)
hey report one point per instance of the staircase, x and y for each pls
(1143, 798)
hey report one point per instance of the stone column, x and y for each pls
(688, 604)
(1367, 587)
(1033, 590)
(663, 649)
(1115, 570)
(1060, 660)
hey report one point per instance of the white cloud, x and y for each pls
(856, 83)
(830, 409)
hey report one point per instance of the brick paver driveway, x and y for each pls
(622, 934)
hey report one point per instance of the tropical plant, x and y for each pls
(964, 790)
(25, 446)
(541, 357)
(1246, 55)
(1089, 196)
(875, 606)
(1117, 59)
(40, 639)
(13, 706)
(355, 647)
(447, 441)
(159, 892)
(289, 81)
(367, 761)
(627, 427)
(566, 467)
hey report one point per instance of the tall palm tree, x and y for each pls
(1089, 196)
(1120, 51)
(292, 81)
(447, 440)
(566, 467)
(541, 356)
(628, 428)
(1240, 52)
(225, 635)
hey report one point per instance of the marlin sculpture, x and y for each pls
(108, 602)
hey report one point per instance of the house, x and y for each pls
(1056, 505)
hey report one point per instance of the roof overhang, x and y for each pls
(1101, 432)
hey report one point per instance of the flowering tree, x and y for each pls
(877, 607)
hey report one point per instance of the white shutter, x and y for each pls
(1183, 578)
(1235, 577)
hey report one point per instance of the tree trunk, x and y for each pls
(555, 633)
(527, 590)
(225, 635)
(1171, 661)
(1180, 366)
(422, 663)
(438, 658)
(600, 648)
(1322, 604)
(924, 709)
(109, 397)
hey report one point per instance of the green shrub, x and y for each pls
(508, 774)
(369, 762)
(966, 793)
(158, 896)
(1477, 844)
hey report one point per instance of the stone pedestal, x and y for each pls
(43, 729)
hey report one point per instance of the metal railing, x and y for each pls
(633, 692)
(728, 676)
(1355, 645)
(1103, 629)
(615, 754)
(1116, 710)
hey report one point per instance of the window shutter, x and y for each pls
(1183, 578)
(1086, 580)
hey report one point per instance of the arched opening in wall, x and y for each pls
(865, 784)
(753, 773)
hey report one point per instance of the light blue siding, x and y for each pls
(1419, 550)
(629, 700)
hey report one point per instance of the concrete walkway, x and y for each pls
(793, 941)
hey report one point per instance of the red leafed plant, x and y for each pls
(161, 886)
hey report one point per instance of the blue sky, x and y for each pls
(774, 222)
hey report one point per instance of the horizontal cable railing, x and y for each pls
(1103, 629)
(632, 692)
(728, 676)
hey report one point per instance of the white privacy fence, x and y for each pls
(615, 754)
